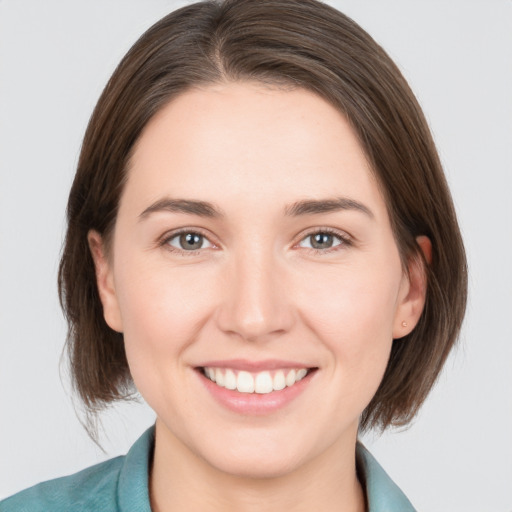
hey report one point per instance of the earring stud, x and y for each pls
(404, 324)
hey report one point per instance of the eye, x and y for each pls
(323, 241)
(188, 241)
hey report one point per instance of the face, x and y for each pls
(253, 248)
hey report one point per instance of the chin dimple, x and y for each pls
(259, 382)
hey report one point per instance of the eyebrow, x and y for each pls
(299, 208)
(193, 207)
(314, 206)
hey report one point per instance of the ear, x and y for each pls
(413, 292)
(105, 281)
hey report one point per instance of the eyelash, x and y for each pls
(164, 242)
(345, 241)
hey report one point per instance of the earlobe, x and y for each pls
(413, 301)
(105, 281)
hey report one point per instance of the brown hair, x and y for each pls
(297, 43)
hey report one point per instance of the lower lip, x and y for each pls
(255, 403)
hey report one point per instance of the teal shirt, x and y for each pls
(121, 485)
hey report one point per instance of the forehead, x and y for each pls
(247, 138)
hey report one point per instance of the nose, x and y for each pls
(255, 303)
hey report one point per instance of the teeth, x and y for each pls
(210, 372)
(301, 374)
(279, 381)
(290, 378)
(230, 380)
(245, 382)
(219, 377)
(262, 382)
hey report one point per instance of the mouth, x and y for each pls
(262, 382)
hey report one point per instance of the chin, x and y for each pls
(257, 466)
(260, 453)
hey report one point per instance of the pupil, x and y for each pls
(191, 241)
(322, 241)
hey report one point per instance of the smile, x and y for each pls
(261, 382)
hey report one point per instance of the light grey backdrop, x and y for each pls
(56, 56)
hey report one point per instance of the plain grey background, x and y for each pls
(55, 58)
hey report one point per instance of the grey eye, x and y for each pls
(321, 240)
(189, 241)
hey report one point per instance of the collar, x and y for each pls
(133, 483)
(382, 494)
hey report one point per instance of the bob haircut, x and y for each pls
(287, 44)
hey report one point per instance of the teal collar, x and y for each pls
(133, 483)
(382, 494)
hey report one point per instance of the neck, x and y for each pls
(180, 480)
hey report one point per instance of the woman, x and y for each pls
(261, 240)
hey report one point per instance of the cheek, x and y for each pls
(161, 299)
(352, 300)
(163, 310)
(353, 315)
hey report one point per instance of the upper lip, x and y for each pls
(254, 366)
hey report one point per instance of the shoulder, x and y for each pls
(116, 485)
(93, 488)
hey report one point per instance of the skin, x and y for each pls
(255, 290)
